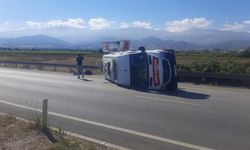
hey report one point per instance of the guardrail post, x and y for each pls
(45, 115)
(40, 67)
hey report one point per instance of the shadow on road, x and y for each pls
(188, 94)
(87, 80)
(181, 93)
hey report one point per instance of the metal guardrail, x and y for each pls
(213, 75)
(181, 74)
(47, 64)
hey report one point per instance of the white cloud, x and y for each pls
(94, 24)
(75, 23)
(112, 22)
(35, 25)
(99, 23)
(124, 25)
(157, 29)
(6, 24)
(142, 24)
(186, 24)
(102, 23)
(233, 27)
(137, 24)
(247, 22)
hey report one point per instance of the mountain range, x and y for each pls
(73, 38)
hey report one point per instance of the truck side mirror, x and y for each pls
(142, 49)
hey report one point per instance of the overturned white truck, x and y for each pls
(142, 69)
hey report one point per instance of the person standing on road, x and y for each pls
(79, 67)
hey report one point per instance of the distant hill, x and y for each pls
(206, 36)
(228, 45)
(74, 35)
(37, 41)
(44, 41)
(156, 43)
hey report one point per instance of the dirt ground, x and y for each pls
(49, 58)
(96, 59)
(21, 135)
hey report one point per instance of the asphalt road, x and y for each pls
(194, 117)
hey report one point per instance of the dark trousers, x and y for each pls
(79, 69)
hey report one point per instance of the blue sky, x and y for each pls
(171, 15)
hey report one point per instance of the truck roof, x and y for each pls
(117, 54)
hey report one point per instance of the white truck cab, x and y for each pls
(144, 69)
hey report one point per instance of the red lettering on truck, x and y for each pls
(156, 74)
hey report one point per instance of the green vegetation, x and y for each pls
(64, 143)
(196, 61)
(232, 63)
(213, 66)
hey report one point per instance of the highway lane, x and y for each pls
(207, 116)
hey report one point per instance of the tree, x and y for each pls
(246, 53)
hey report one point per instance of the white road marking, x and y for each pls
(145, 135)
(166, 100)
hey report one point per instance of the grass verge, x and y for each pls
(16, 134)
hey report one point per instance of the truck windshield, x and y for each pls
(139, 70)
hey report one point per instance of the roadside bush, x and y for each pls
(206, 65)
(248, 70)
(231, 67)
(182, 67)
(197, 67)
(213, 66)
